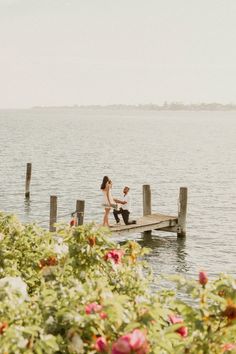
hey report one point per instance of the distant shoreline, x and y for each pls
(151, 107)
(140, 107)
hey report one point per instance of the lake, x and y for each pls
(71, 150)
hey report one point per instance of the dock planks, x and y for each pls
(147, 223)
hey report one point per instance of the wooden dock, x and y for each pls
(155, 221)
(148, 223)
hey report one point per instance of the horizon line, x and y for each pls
(164, 105)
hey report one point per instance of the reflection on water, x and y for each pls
(166, 252)
(27, 206)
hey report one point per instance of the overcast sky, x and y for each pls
(65, 52)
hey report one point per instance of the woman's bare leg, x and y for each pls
(106, 217)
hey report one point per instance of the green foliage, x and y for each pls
(60, 292)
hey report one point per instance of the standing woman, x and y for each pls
(108, 201)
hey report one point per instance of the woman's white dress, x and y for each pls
(107, 198)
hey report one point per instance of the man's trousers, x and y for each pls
(124, 213)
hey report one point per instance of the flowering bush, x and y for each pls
(75, 291)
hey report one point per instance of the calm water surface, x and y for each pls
(71, 150)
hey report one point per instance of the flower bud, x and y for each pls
(203, 279)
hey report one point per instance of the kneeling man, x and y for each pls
(124, 210)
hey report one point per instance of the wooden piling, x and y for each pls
(182, 212)
(147, 203)
(80, 211)
(147, 206)
(28, 179)
(53, 213)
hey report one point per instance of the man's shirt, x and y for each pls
(127, 205)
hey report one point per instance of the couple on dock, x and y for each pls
(119, 206)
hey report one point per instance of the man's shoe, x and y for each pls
(118, 223)
(132, 222)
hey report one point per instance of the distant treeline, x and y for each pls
(173, 106)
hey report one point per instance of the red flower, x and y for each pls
(114, 255)
(103, 315)
(203, 279)
(101, 344)
(50, 261)
(94, 307)
(183, 331)
(72, 223)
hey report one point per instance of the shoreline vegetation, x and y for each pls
(76, 291)
(167, 106)
(172, 106)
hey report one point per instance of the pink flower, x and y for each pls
(101, 344)
(92, 308)
(175, 319)
(228, 346)
(122, 346)
(137, 339)
(183, 331)
(114, 255)
(134, 342)
(203, 279)
(103, 315)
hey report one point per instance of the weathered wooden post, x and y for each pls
(147, 203)
(28, 179)
(182, 212)
(80, 211)
(53, 213)
(147, 206)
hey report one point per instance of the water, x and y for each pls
(71, 150)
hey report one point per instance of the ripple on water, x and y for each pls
(71, 150)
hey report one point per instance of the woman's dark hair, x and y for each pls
(104, 182)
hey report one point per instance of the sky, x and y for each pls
(68, 52)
